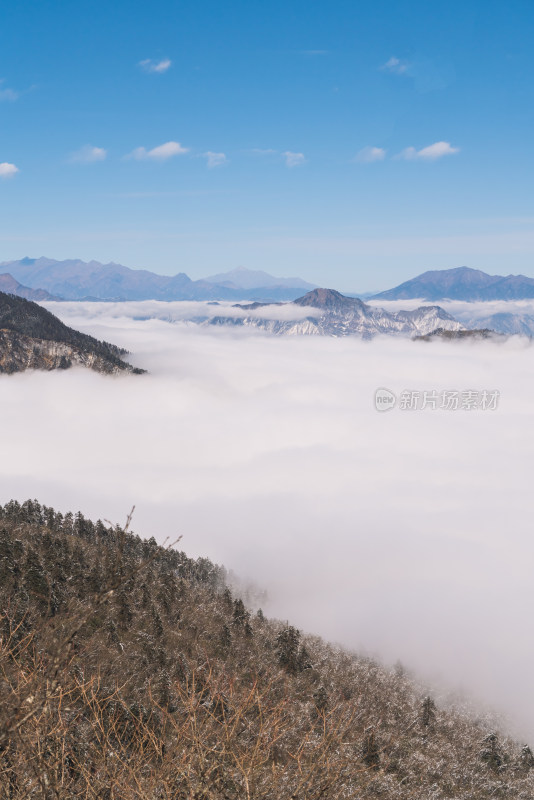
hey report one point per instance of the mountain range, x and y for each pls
(33, 338)
(334, 314)
(74, 279)
(45, 279)
(461, 283)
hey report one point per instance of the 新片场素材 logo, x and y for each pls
(384, 399)
(434, 399)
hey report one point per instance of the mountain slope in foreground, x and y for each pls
(334, 314)
(461, 283)
(131, 671)
(33, 338)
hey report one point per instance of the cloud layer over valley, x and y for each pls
(178, 311)
(407, 534)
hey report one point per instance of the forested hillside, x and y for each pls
(131, 671)
(33, 338)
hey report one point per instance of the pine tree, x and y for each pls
(35, 579)
(124, 609)
(492, 753)
(371, 750)
(526, 759)
(158, 623)
(240, 613)
(428, 712)
(145, 596)
(227, 599)
(68, 523)
(225, 638)
(320, 699)
(291, 654)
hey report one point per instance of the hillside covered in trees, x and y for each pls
(128, 670)
(33, 338)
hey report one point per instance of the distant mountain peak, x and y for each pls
(244, 278)
(461, 283)
(329, 299)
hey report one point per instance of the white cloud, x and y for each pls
(293, 159)
(369, 154)
(215, 159)
(88, 155)
(8, 170)
(6, 94)
(396, 66)
(148, 65)
(430, 153)
(182, 311)
(160, 153)
(258, 151)
(9, 95)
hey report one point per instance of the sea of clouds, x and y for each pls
(462, 308)
(407, 534)
(177, 311)
(471, 314)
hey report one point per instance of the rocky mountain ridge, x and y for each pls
(473, 334)
(33, 338)
(334, 314)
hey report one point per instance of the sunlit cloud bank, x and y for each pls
(404, 533)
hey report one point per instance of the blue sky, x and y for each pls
(354, 144)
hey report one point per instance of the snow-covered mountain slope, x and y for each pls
(333, 314)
